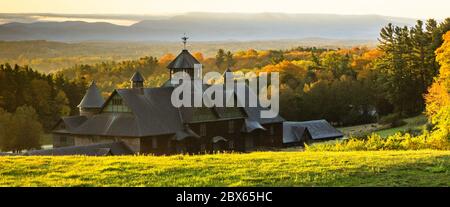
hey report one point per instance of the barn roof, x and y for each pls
(254, 113)
(92, 98)
(70, 123)
(73, 122)
(250, 125)
(114, 148)
(182, 134)
(293, 134)
(318, 129)
(152, 113)
(183, 61)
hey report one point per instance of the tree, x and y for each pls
(23, 130)
(407, 65)
(26, 117)
(220, 59)
(230, 62)
(199, 56)
(166, 59)
(62, 104)
(5, 120)
(438, 97)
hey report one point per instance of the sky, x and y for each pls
(438, 9)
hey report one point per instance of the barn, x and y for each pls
(146, 121)
(298, 133)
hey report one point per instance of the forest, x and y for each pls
(33, 101)
(346, 86)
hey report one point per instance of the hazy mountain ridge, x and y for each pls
(206, 27)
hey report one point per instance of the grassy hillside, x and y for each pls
(382, 168)
(412, 123)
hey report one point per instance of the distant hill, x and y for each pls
(48, 56)
(205, 27)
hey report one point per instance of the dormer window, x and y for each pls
(117, 101)
(117, 105)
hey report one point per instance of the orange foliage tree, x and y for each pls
(438, 97)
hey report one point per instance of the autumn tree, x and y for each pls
(438, 97)
(20, 130)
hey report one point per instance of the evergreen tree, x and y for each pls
(220, 59)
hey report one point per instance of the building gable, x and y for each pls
(116, 104)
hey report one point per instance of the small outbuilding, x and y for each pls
(298, 133)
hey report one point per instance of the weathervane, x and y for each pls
(184, 38)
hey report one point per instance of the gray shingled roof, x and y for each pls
(183, 61)
(293, 134)
(110, 124)
(92, 98)
(114, 148)
(153, 114)
(137, 77)
(167, 84)
(319, 129)
(71, 123)
(250, 126)
(180, 135)
(254, 113)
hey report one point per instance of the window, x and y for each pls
(230, 127)
(117, 105)
(202, 130)
(117, 101)
(63, 140)
(154, 143)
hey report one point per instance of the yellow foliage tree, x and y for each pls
(438, 97)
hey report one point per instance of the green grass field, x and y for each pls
(413, 123)
(381, 168)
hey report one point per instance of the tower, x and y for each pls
(184, 62)
(137, 81)
(92, 101)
